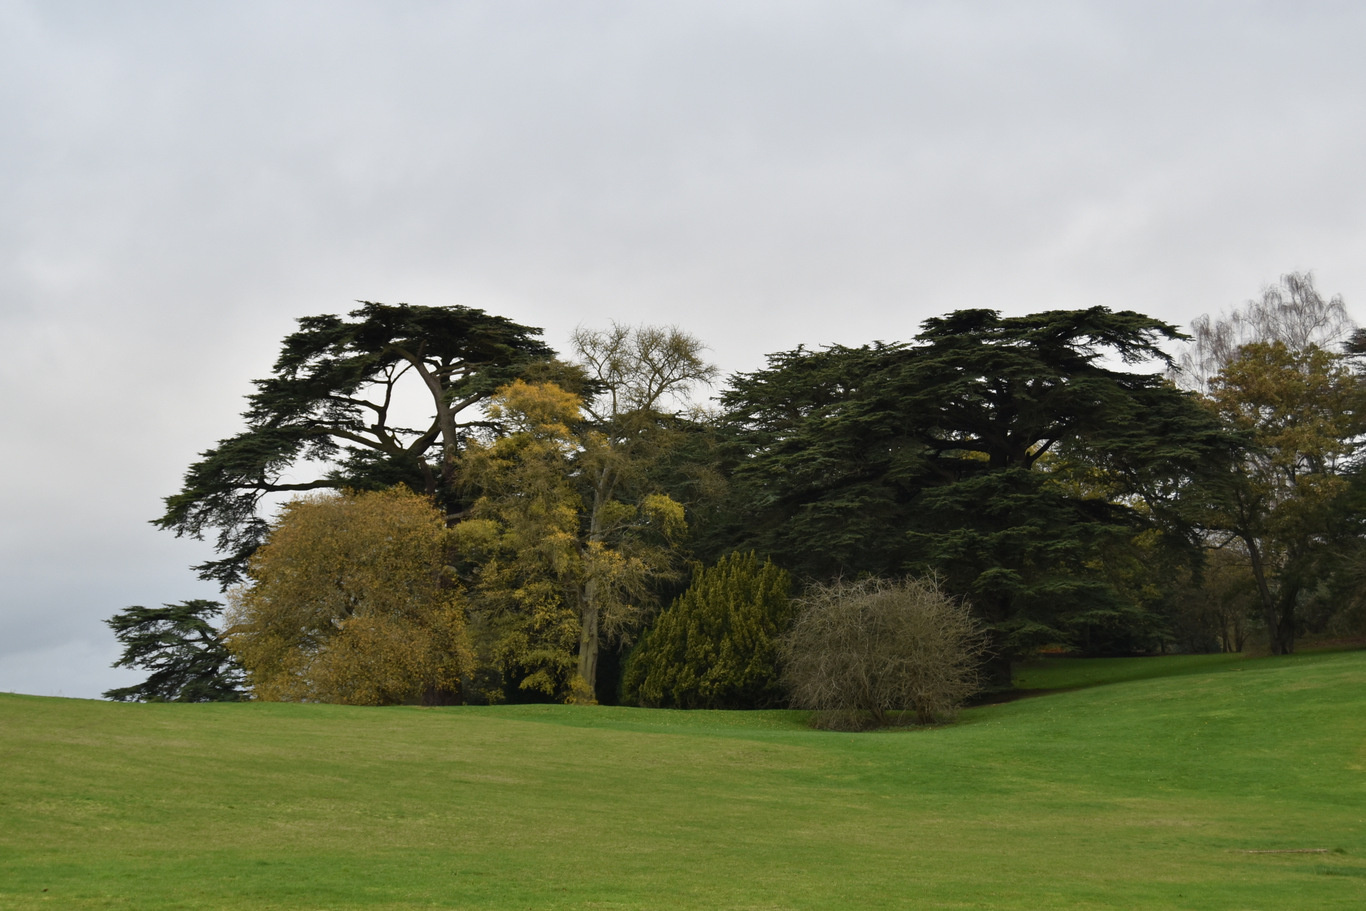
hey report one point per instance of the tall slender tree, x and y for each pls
(554, 570)
(643, 376)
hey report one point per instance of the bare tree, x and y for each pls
(1292, 312)
(865, 652)
(639, 369)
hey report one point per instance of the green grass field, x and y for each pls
(1232, 784)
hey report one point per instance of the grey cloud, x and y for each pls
(181, 181)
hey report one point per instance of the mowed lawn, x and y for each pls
(1240, 784)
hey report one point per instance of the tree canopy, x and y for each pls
(960, 455)
(1048, 469)
(342, 395)
(1291, 311)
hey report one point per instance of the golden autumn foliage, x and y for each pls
(561, 563)
(349, 602)
(523, 535)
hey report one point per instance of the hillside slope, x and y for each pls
(1240, 787)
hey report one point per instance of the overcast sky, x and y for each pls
(180, 181)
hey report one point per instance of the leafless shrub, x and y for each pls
(867, 653)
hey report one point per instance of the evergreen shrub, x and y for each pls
(715, 647)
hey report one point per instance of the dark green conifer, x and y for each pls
(715, 646)
(182, 649)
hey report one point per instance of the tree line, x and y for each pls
(581, 529)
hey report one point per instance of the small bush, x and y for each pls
(865, 653)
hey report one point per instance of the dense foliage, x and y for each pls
(1002, 453)
(337, 397)
(554, 571)
(716, 646)
(349, 601)
(1061, 472)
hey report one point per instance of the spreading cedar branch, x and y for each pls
(339, 396)
(183, 650)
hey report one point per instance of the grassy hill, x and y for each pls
(1228, 784)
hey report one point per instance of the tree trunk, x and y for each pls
(1283, 634)
(997, 673)
(1271, 610)
(445, 417)
(586, 688)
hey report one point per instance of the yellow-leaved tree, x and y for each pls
(556, 572)
(350, 602)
